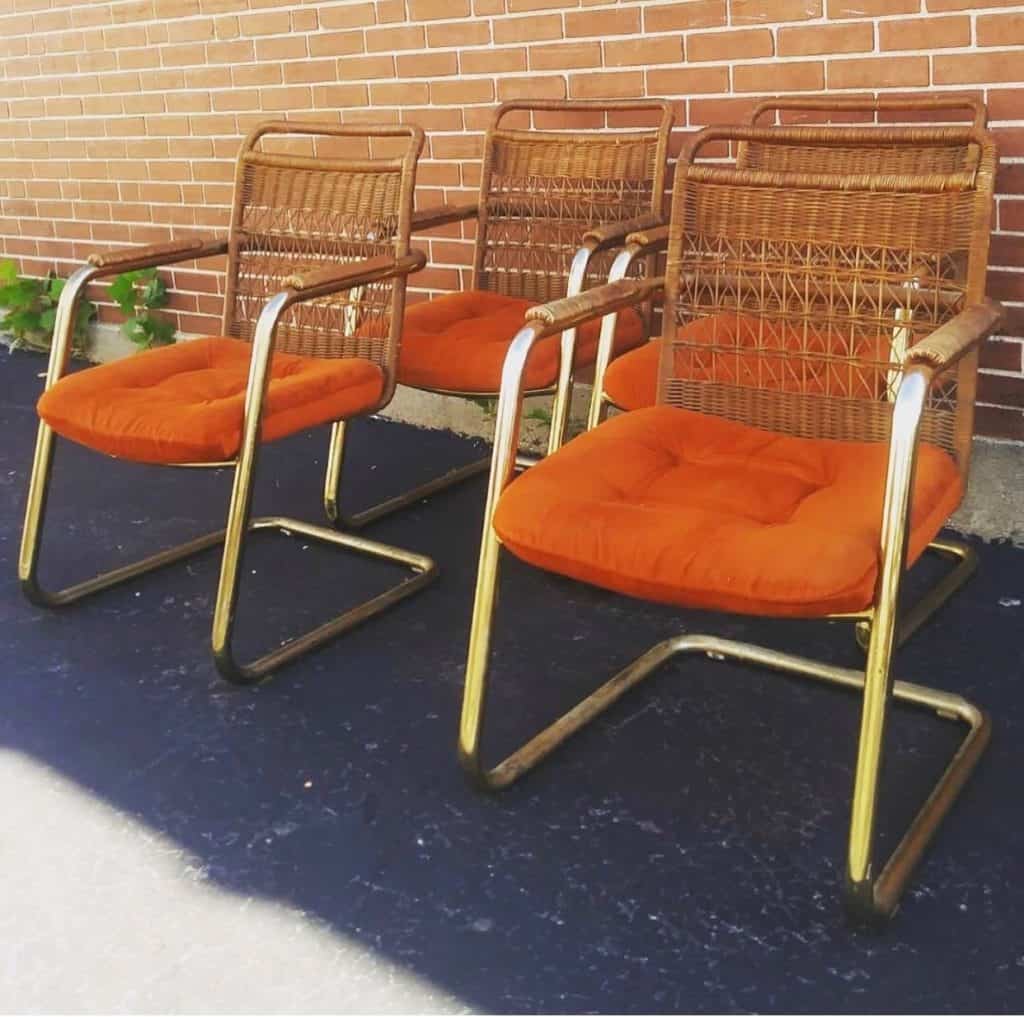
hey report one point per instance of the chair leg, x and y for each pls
(869, 898)
(357, 520)
(32, 533)
(965, 563)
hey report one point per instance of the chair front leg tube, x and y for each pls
(861, 895)
(241, 491)
(42, 460)
(563, 391)
(506, 443)
(606, 342)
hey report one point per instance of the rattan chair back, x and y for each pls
(298, 212)
(815, 284)
(541, 190)
(902, 156)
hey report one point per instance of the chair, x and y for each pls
(812, 435)
(317, 261)
(540, 191)
(628, 381)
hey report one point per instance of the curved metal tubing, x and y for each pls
(239, 523)
(599, 404)
(869, 898)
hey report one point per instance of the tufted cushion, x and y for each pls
(688, 509)
(458, 342)
(184, 403)
(741, 353)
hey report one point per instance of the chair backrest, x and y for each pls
(301, 211)
(541, 190)
(902, 156)
(809, 287)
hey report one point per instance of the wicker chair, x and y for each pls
(318, 256)
(540, 191)
(812, 435)
(629, 381)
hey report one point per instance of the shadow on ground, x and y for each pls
(685, 854)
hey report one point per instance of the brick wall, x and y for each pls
(119, 121)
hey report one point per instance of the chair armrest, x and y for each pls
(442, 215)
(596, 303)
(949, 342)
(321, 280)
(649, 240)
(185, 249)
(615, 234)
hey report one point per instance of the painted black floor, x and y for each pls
(683, 855)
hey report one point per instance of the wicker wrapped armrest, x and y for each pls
(183, 249)
(615, 234)
(649, 240)
(949, 342)
(443, 215)
(569, 311)
(321, 279)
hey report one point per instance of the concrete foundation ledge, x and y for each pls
(993, 509)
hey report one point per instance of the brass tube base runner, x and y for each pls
(357, 520)
(965, 560)
(870, 901)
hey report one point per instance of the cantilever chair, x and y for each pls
(629, 381)
(811, 436)
(317, 261)
(541, 190)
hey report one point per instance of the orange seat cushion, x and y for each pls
(741, 352)
(458, 342)
(698, 511)
(185, 403)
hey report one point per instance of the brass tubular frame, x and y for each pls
(872, 892)
(239, 520)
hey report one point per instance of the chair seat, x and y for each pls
(458, 342)
(693, 510)
(748, 351)
(185, 403)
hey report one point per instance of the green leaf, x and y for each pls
(22, 321)
(154, 293)
(55, 288)
(122, 292)
(162, 331)
(8, 271)
(48, 319)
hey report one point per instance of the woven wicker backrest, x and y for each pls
(541, 190)
(810, 287)
(902, 157)
(295, 212)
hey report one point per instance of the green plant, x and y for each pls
(140, 295)
(31, 306)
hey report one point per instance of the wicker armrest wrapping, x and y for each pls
(185, 248)
(595, 303)
(443, 215)
(354, 273)
(949, 342)
(649, 240)
(614, 234)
